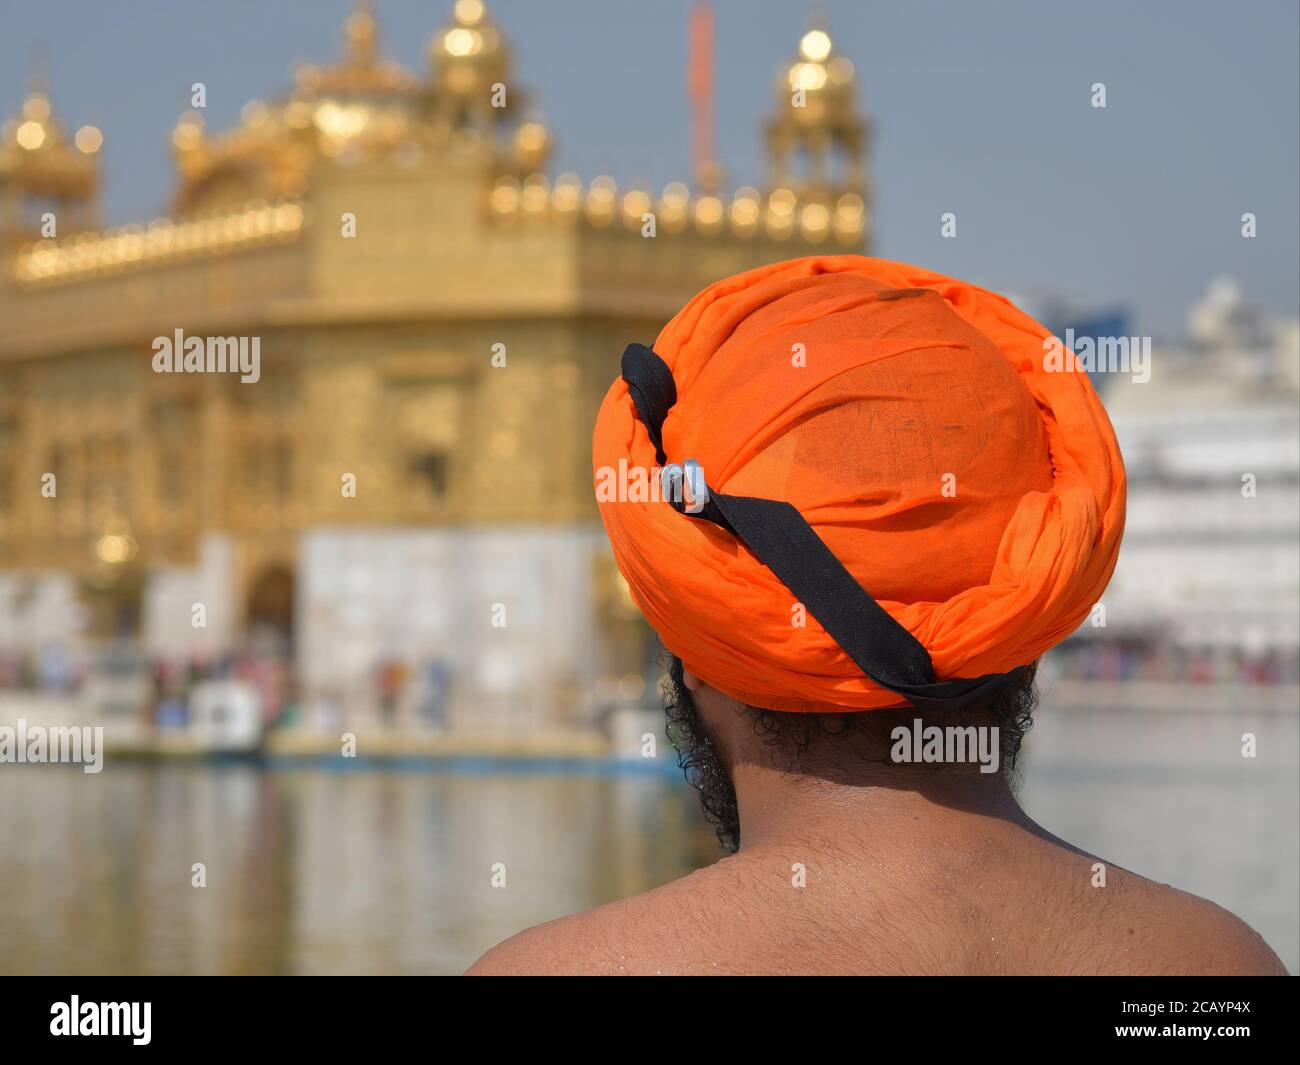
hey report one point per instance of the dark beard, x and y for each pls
(698, 756)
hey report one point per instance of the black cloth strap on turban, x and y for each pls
(782, 540)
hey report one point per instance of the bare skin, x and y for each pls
(905, 872)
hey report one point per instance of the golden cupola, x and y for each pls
(361, 73)
(355, 108)
(363, 106)
(468, 57)
(816, 137)
(49, 183)
(473, 96)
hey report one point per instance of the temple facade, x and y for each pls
(404, 482)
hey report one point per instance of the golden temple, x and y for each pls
(438, 320)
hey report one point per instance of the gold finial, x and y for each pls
(38, 73)
(34, 129)
(361, 32)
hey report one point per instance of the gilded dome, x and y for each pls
(469, 55)
(827, 79)
(35, 128)
(37, 138)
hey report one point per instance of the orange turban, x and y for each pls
(968, 484)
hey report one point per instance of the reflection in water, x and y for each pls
(315, 871)
(323, 871)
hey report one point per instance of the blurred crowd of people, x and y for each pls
(1131, 660)
(161, 686)
(118, 677)
(399, 696)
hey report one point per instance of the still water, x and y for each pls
(313, 870)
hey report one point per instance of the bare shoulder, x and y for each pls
(1214, 941)
(584, 944)
(734, 918)
(1171, 932)
(661, 932)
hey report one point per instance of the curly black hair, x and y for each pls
(790, 736)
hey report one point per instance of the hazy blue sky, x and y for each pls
(979, 108)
